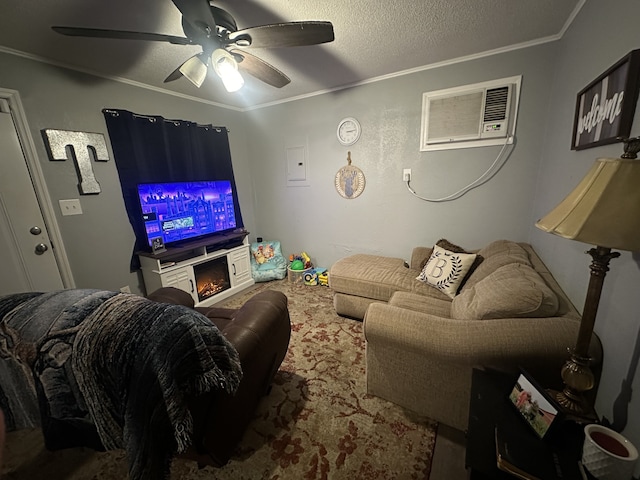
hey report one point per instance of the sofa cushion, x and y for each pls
(446, 270)
(495, 255)
(376, 277)
(438, 307)
(513, 290)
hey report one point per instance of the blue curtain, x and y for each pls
(152, 149)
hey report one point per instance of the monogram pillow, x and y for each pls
(446, 270)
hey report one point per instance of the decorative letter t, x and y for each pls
(80, 143)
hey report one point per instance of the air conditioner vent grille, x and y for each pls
(495, 108)
(474, 115)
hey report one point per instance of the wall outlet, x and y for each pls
(125, 289)
(406, 175)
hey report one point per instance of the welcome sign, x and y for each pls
(605, 108)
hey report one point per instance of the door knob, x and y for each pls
(41, 248)
(35, 230)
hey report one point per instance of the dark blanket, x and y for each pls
(110, 369)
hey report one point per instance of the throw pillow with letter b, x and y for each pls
(446, 270)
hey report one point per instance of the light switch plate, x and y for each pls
(70, 207)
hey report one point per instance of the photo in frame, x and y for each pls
(533, 403)
(605, 108)
(157, 245)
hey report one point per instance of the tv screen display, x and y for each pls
(179, 211)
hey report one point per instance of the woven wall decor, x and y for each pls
(350, 180)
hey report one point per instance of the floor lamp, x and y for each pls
(603, 210)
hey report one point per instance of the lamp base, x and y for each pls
(578, 378)
(578, 412)
(575, 405)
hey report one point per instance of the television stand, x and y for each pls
(209, 269)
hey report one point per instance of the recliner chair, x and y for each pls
(260, 331)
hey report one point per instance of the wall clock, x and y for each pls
(350, 180)
(348, 131)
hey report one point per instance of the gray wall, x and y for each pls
(99, 243)
(386, 218)
(602, 33)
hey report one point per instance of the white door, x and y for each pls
(28, 262)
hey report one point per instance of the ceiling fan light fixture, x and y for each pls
(216, 32)
(194, 70)
(227, 69)
(243, 40)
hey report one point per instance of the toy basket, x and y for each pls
(297, 276)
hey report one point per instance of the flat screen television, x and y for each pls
(175, 212)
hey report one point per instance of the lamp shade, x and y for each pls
(194, 70)
(604, 209)
(227, 69)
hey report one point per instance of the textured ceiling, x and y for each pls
(372, 38)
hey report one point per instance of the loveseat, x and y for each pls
(422, 343)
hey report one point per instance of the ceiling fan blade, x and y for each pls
(290, 34)
(197, 13)
(120, 34)
(260, 69)
(175, 75)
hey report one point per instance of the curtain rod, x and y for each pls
(152, 118)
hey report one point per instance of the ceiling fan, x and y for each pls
(223, 45)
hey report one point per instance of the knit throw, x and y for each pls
(110, 369)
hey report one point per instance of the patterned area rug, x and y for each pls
(317, 422)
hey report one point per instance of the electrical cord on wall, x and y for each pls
(482, 179)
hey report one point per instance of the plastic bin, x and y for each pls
(297, 276)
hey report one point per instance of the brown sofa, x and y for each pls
(260, 331)
(422, 345)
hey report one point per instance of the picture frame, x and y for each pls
(605, 108)
(536, 408)
(157, 245)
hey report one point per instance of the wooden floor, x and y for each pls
(448, 457)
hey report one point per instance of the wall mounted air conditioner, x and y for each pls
(470, 116)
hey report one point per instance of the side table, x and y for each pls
(490, 409)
